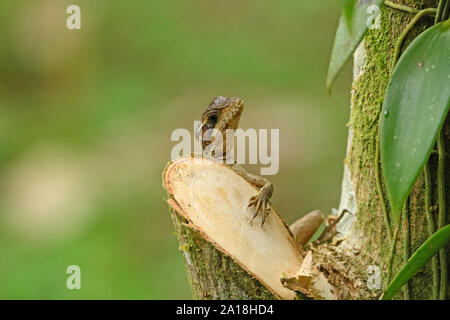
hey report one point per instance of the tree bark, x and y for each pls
(212, 274)
(364, 231)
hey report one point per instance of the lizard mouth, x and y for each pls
(203, 134)
(229, 109)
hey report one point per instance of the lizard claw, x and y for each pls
(261, 203)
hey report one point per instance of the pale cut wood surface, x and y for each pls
(214, 199)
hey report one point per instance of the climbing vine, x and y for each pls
(415, 106)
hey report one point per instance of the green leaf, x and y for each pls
(347, 38)
(348, 7)
(425, 252)
(415, 107)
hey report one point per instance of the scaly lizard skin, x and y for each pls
(222, 114)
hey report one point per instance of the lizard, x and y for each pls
(224, 113)
(221, 114)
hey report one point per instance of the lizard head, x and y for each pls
(221, 114)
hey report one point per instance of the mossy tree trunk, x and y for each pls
(365, 230)
(212, 274)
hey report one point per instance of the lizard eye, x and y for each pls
(212, 119)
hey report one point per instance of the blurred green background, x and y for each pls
(86, 117)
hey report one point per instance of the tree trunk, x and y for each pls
(351, 260)
(365, 231)
(212, 274)
(229, 253)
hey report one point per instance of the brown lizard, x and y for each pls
(224, 113)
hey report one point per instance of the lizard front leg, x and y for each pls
(261, 200)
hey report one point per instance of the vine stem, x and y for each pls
(431, 229)
(441, 184)
(405, 213)
(442, 212)
(402, 36)
(446, 11)
(440, 9)
(380, 188)
(392, 252)
(402, 7)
